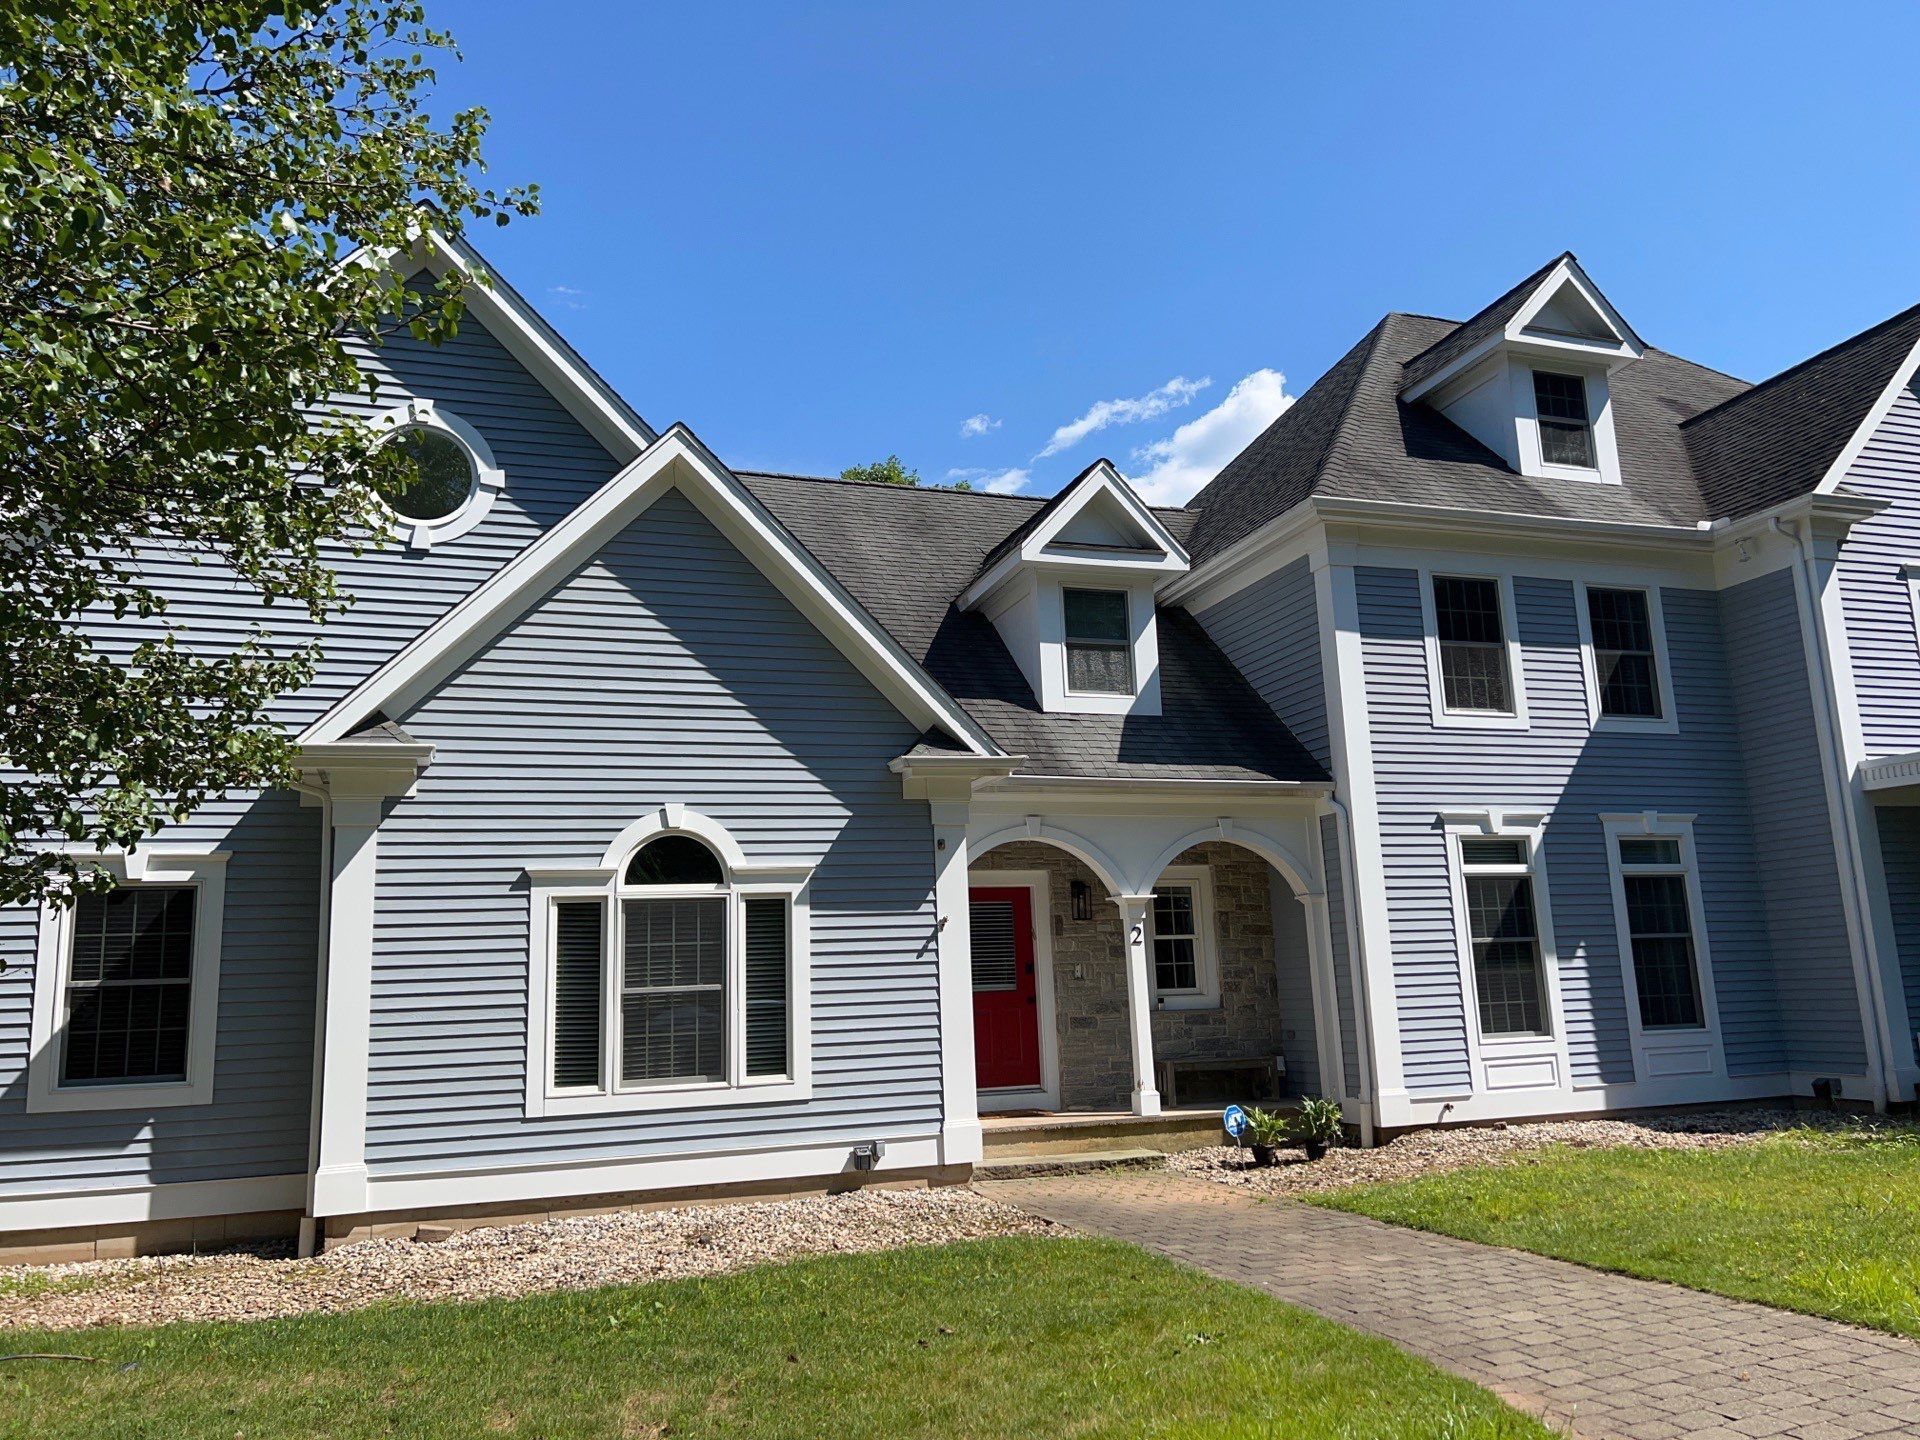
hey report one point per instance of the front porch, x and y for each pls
(1224, 1006)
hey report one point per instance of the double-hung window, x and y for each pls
(1504, 931)
(126, 992)
(1475, 678)
(1099, 642)
(1566, 434)
(679, 977)
(1625, 664)
(1659, 926)
(1180, 939)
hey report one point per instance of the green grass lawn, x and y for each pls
(990, 1338)
(1828, 1223)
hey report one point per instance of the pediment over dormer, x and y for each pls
(1528, 375)
(1072, 595)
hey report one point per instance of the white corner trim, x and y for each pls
(676, 460)
(1663, 1054)
(1443, 718)
(601, 884)
(1667, 722)
(1508, 1062)
(206, 871)
(488, 478)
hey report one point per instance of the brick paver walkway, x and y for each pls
(1605, 1355)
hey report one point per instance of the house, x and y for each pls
(1524, 724)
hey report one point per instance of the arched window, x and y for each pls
(679, 974)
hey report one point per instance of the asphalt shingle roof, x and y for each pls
(1473, 331)
(1351, 436)
(905, 555)
(1779, 439)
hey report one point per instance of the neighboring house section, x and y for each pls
(1523, 724)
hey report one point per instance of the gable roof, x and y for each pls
(676, 459)
(907, 554)
(1477, 329)
(1793, 433)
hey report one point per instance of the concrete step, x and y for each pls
(1067, 1134)
(1014, 1165)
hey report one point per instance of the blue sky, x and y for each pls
(821, 235)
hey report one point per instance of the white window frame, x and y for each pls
(1508, 1062)
(488, 478)
(1443, 718)
(1910, 578)
(1131, 645)
(206, 872)
(743, 879)
(1668, 721)
(1665, 1053)
(1205, 994)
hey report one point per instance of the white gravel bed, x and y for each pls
(569, 1254)
(1430, 1152)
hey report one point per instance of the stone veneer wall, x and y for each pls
(1090, 979)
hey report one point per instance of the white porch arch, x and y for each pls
(1105, 869)
(1297, 872)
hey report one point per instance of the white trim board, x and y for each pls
(677, 460)
(35, 1209)
(205, 872)
(1045, 1095)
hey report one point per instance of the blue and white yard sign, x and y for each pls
(1233, 1120)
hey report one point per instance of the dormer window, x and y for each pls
(1566, 434)
(1099, 642)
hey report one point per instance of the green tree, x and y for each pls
(180, 184)
(883, 472)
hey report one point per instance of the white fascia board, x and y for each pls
(1133, 787)
(676, 459)
(528, 337)
(1850, 452)
(1515, 334)
(1334, 509)
(1568, 272)
(1098, 479)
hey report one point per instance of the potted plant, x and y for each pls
(1316, 1125)
(1267, 1131)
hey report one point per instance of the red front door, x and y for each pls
(1006, 1018)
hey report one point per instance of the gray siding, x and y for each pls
(1797, 867)
(1561, 765)
(263, 1048)
(1900, 846)
(1882, 640)
(1333, 859)
(667, 669)
(258, 1121)
(1271, 632)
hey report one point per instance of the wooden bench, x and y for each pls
(1262, 1073)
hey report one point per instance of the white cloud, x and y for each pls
(1194, 454)
(978, 424)
(1007, 482)
(568, 296)
(964, 472)
(1170, 396)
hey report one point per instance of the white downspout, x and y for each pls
(1356, 965)
(1858, 902)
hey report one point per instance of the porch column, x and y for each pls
(1133, 921)
(960, 1138)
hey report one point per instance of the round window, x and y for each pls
(445, 475)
